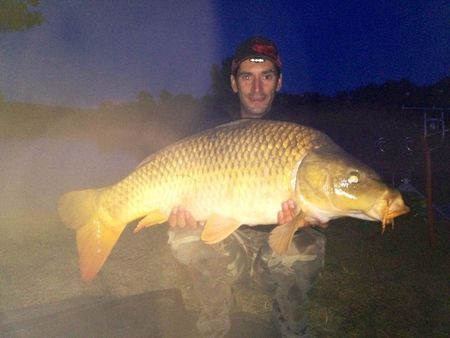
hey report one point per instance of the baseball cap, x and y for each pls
(257, 48)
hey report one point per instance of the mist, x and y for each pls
(36, 172)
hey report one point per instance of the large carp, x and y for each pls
(237, 173)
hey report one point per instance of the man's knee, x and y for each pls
(185, 244)
(303, 261)
(224, 259)
(310, 242)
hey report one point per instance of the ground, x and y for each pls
(390, 285)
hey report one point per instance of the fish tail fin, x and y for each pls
(78, 208)
(97, 233)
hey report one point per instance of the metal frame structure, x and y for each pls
(434, 120)
(434, 123)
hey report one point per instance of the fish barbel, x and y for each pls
(237, 173)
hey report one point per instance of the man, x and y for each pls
(256, 78)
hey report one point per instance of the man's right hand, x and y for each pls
(181, 218)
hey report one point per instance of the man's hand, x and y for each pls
(287, 212)
(181, 218)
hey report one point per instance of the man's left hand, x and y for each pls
(287, 212)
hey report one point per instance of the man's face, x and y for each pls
(256, 83)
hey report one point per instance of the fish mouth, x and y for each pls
(390, 206)
(388, 218)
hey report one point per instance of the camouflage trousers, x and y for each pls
(246, 253)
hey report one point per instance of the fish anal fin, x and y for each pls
(281, 236)
(218, 228)
(153, 217)
(95, 242)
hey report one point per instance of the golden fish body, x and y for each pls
(242, 170)
(237, 173)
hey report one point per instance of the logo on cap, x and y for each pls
(264, 49)
(256, 49)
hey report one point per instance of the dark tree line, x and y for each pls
(19, 15)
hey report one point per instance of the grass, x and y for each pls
(391, 285)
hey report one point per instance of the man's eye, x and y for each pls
(268, 76)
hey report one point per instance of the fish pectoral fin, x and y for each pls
(281, 236)
(218, 228)
(154, 217)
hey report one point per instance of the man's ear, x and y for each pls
(233, 83)
(280, 82)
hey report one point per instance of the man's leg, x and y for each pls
(213, 269)
(289, 278)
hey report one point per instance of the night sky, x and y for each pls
(89, 52)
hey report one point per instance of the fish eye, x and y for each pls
(353, 177)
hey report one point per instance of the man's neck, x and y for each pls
(247, 115)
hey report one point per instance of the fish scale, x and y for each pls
(180, 162)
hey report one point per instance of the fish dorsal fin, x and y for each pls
(153, 217)
(145, 161)
(218, 228)
(238, 123)
(281, 236)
